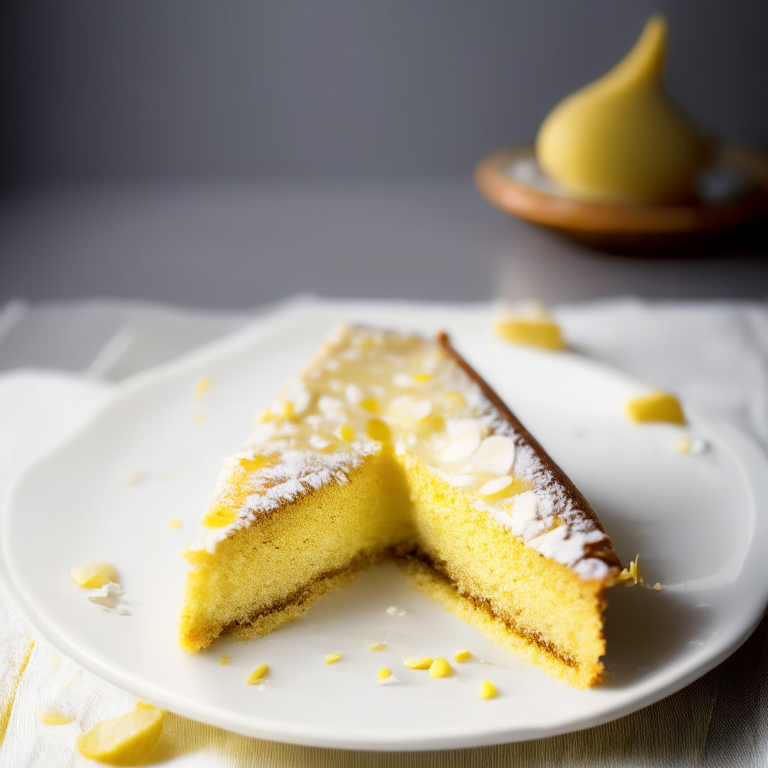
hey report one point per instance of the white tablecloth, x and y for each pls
(59, 362)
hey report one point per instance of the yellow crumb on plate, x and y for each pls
(93, 575)
(694, 447)
(202, 386)
(462, 656)
(257, 676)
(487, 690)
(224, 660)
(631, 572)
(418, 662)
(124, 740)
(383, 674)
(55, 718)
(174, 523)
(440, 668)
(200, 418)
(332, 658)
(656, 406)
(133, 477)
(376, 647)
(544, 332)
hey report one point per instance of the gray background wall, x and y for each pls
(225, 153)
(337, 89)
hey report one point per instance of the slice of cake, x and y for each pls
(391, 446)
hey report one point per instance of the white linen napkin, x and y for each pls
(714, 355)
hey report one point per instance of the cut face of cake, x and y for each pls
(391, 446)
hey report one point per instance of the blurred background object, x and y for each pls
(619, 166)
(229, 153)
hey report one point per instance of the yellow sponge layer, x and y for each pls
(480, 571)
(271, 571)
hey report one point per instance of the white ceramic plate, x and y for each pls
(699, 523)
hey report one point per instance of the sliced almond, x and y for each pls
(354, 394)
(495, 486)
(524, 508)
(496, 455)
(408, 411)
(460, 481)
(466, 435)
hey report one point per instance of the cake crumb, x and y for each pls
(200, 418)
(440, 668)
(332, 658)
(174, 523)
(462, 656)
(93, 575)
(657, 586)
(109, 597)
(133, 477)
(224, 660)
(418, 662)
(655, 406)
(529, 323)
(631, 573)
(692, 446)
(487, 690)
(202, 386)
(376, 647)
(257, 676)
(385, 677)
(393, 610)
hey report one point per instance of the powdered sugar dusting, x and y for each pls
(294, 474)
(316, 433)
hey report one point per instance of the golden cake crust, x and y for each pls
(600, 550)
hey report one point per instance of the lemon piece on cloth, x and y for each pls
(124, 740)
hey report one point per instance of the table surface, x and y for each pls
(235, 246)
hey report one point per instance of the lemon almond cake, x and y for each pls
(391, 446)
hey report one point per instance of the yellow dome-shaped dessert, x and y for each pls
(620, 139)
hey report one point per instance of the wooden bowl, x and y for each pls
(733, 193)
